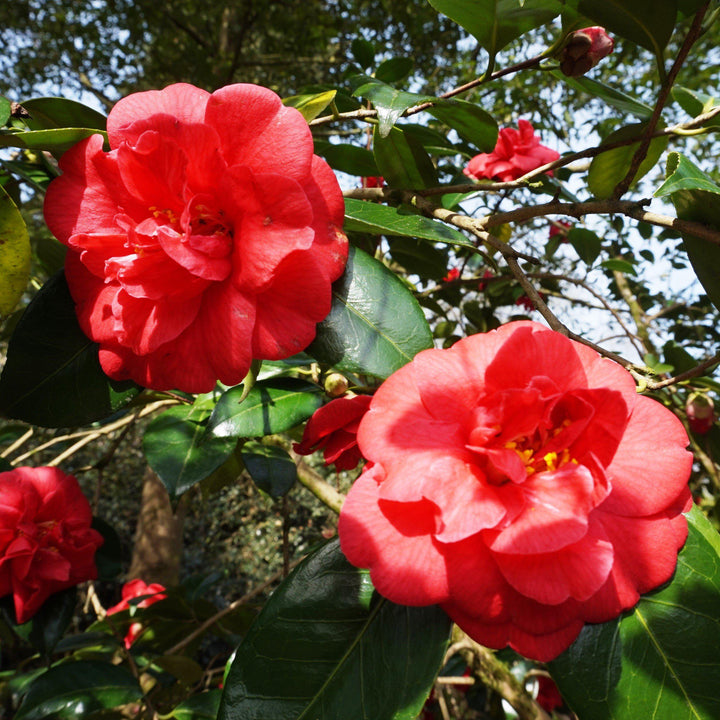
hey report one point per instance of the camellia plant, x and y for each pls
(446, 321)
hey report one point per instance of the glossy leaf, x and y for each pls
(77, 689)
(367, 217)
(389, 102)
(350, 159)
(611, 96)
(646, 22)
(47, 113)
(179, 451)
(471, 122)
(52, 376)
(198, 707)
(325, 646)
(696, 197)
(56, 141)
(660, 660)
(375, 325)
(495, 23)
(609, 168)
(270, 468)
(402, 160)
(52, 620)
(311, 105)
(272, 406)
(15, 254)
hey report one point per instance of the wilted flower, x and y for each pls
(46, 542)
(209, 235)
(509, 480)
(135, 589)
(517, 152)
(584, 50)
(333, 429)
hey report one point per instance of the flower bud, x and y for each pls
(584, 50)
(336, 385)
(700, 412)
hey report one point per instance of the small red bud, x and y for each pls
(700, 411)
(584, 50)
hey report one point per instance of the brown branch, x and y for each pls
(640, 154)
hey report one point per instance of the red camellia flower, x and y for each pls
(509, 480)
(452, 275)
(700, 411)
(333, 428)
(560, 227)
(209, 235)
(584, 50)
(134, 589)
(517, 152)
(46, 542)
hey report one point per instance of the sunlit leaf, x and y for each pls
(310, 105)
(402, 160)
(15, 254)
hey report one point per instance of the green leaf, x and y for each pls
(270, 468)
(368, 217)
(660, 660)
(110, 556)
(5, 110)
(394, 69)
(469, 121)
(310, 105)
(611, 96)
(420, 258)
(375, 325)
(685, 175)
(326, 646)
(272, 406)
(56, 141)
(695, 196)
(620, 265)
(586, 243)
(47, 113)
(52, 620)
(495, 23)
(609, 168)
(198, 707)
(402, 160)
(646, 22)
(52, 376)
(363, 51)
(77, 689)
(15, 254)
(349, 159)
(695, 103)
(178, 450)
(389, 102)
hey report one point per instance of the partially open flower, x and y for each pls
(509, 480)
(700, 411)
(584, 50)
(135, 589)
(46, 542)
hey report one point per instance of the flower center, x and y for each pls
(532, 451)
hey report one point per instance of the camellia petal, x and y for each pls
(513, 470)
(209, 235)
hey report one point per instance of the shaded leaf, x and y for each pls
(375, 325)
(609, 168)
(619, 265)
(272, 406)
(325, 644)
(178, 450)
(402, 160)
(15, 254)
(52, 620)
(659, 660)
(611, 96)
(394, 69)
(5, 110)
(695, 196)
(310, 105)
(198, 707)
(52, 376)
(270, 467)
(695, 103)
(586, 243)
(47, 113)
(76, 689)
(368, 217)
(471, 122)
(363, 51)
(349, 159)
(56, 141)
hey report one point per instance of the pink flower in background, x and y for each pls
(209, 235)
(517, 152)
(584, 50)
(509, 480)
(46, 542)
(134, 589)
(333, 429)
